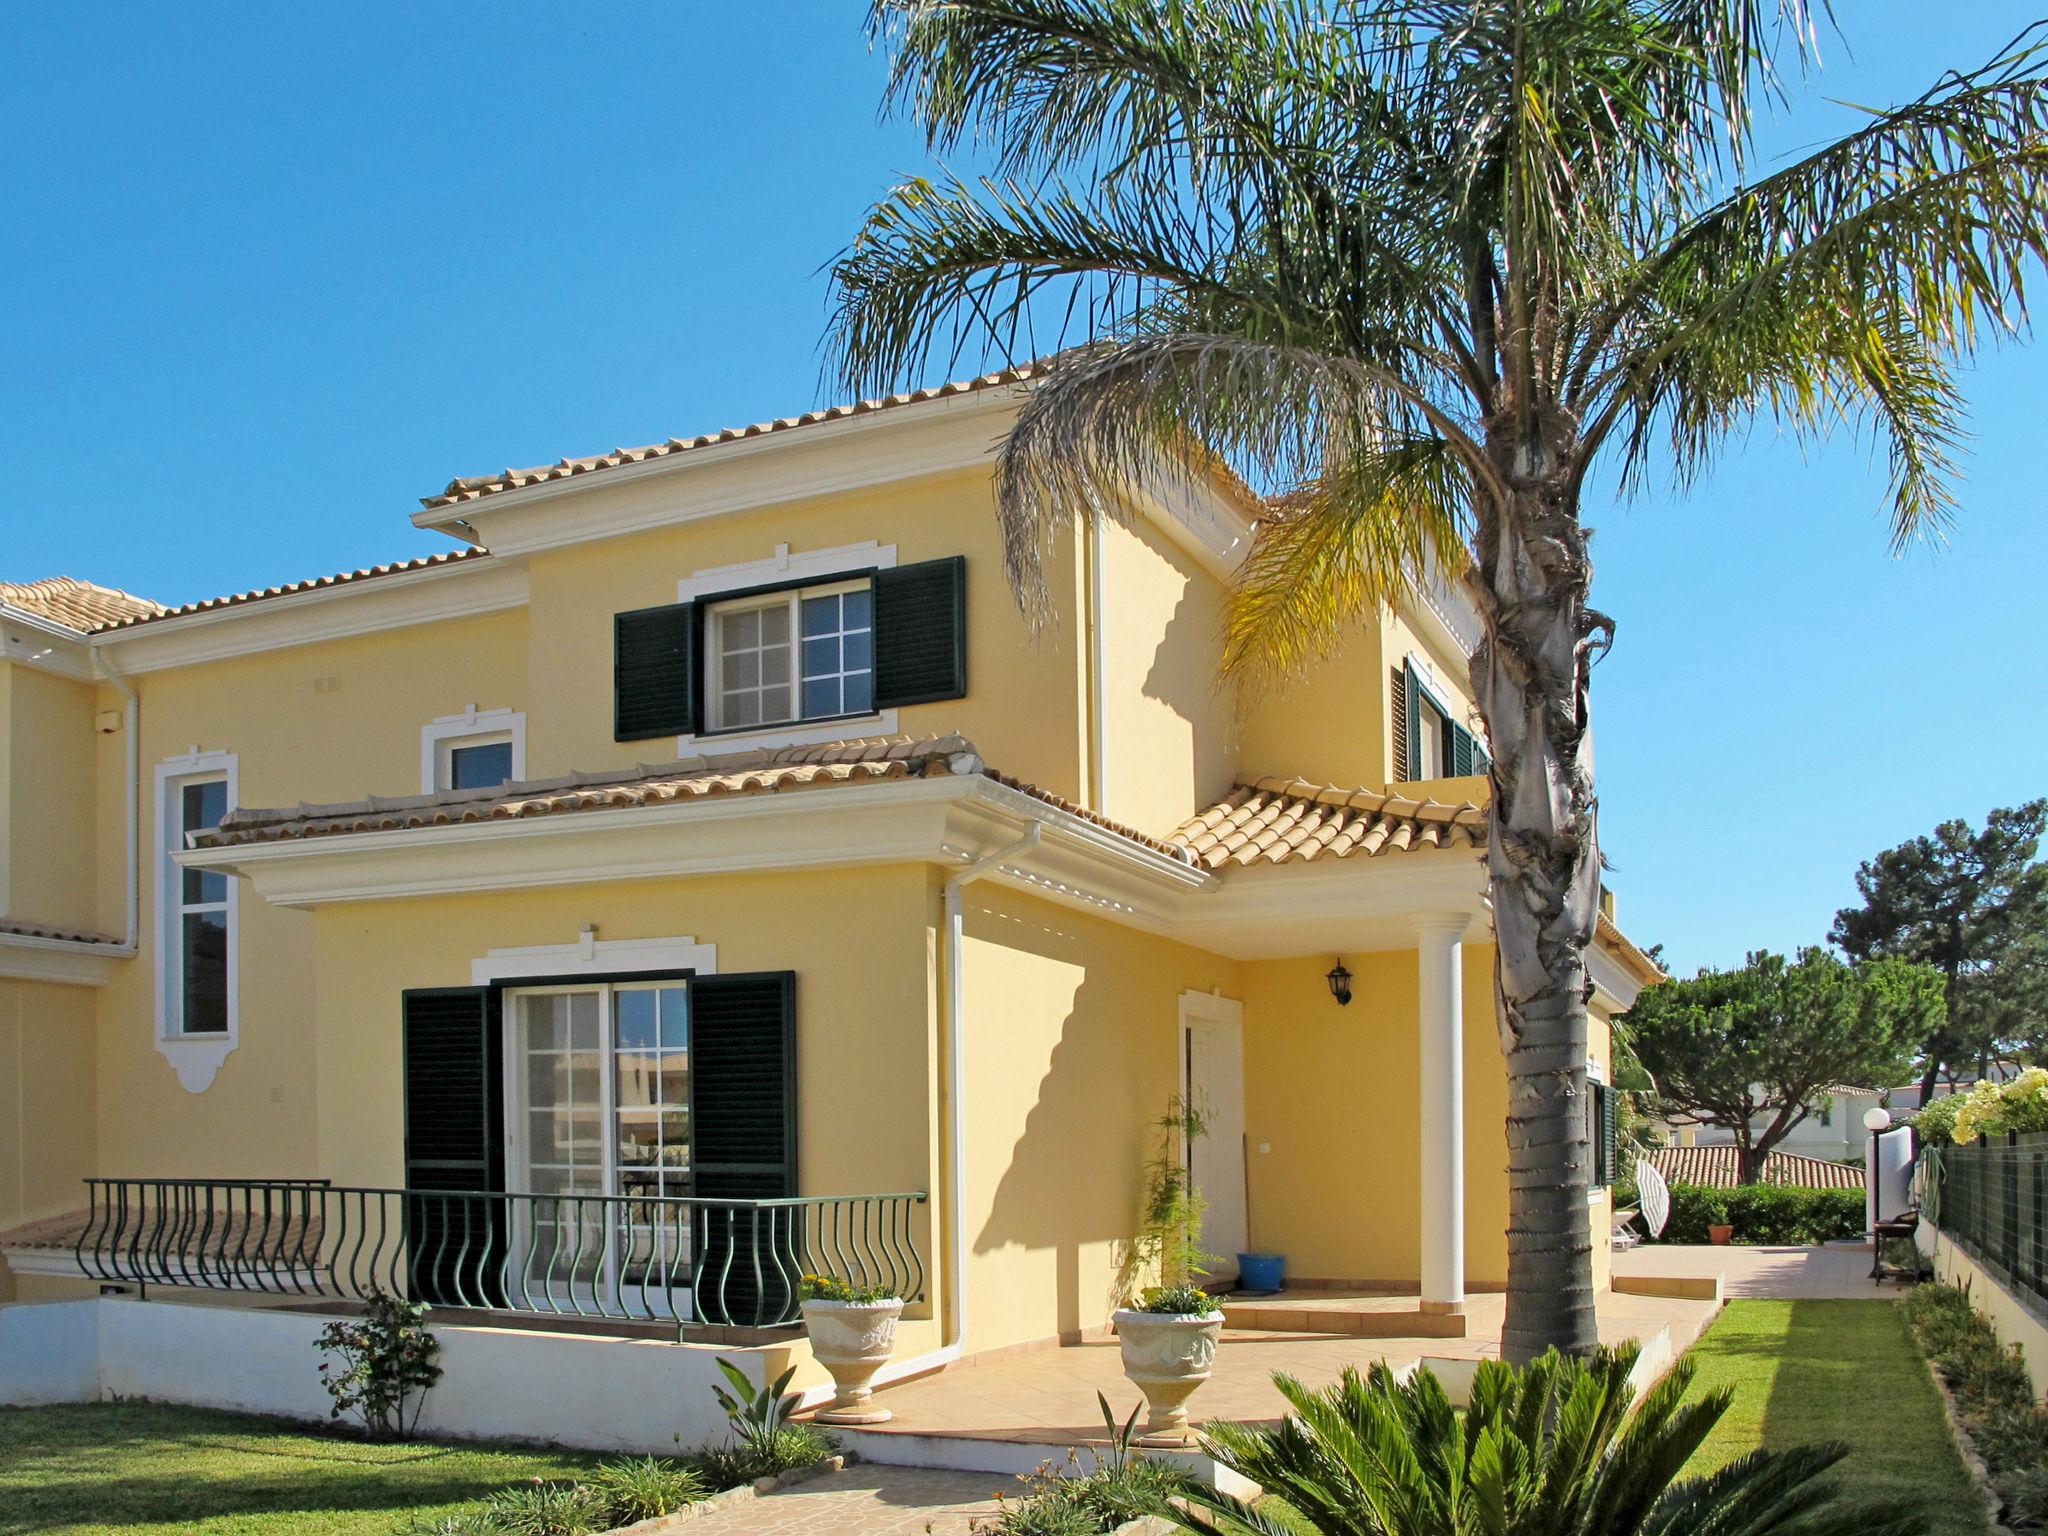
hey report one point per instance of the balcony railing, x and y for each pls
(630, 1258)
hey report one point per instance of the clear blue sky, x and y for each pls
(272, 273)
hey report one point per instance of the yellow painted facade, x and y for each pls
(1070, 1021)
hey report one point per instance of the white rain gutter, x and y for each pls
(954, 1106)
(131, 727)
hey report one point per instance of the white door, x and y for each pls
(1212, 1057)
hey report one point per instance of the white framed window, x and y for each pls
(597, 1123)
(800, 654)
(1430, 722)
(478, 749)
(198, 932)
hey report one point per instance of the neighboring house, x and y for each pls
(1906, 1100)
(552, 924)
(1718, 1167)
(1832, 1129)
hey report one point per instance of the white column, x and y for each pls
(1440, 953)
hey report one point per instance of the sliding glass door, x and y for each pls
(598, 1126)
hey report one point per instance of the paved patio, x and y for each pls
(864, 1500)
(1047, 1396)
(1839, 1270)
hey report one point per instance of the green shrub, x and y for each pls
(645, 1486)
(1937, 1122)
(1765, 1213)
(387, 1361)
(1124, 1486)
(1994, 1398)
(547, 1509)
(783, 1449)
(1555, 1448)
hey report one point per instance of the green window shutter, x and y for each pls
(1397, 718)
(454, 1144)
(743, 1142)
(1481, 763)
(654, 672)
(1411, 714)
(921, 633)
(1603, 1128)
(1462, 748)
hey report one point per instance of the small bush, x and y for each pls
(547, 1509)
(643, 1487)
(1993, 1395)
(1937, 1122)
(387, 1361)
(783, 1449)
(1765, 1213)
(833, 1288)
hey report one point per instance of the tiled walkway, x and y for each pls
(1834, 1270)
(867, 1500)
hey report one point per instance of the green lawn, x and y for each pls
(93, 1469)
(1836, 1370)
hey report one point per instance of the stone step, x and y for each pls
(1015, 1457)
(1373, 1319)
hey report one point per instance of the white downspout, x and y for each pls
(1098, 776)
(953, 1107)
(131, 727)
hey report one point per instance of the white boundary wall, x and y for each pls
(594, 1393)
(2016, 1319)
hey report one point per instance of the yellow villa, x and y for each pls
(700, 872)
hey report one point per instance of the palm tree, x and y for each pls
(1412, 267)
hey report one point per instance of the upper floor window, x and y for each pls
(478, 749)
(1428, 742)
(804, 654)
(196, 924)
(200, 917)
(830, 645)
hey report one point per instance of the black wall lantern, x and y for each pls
(1340, 983)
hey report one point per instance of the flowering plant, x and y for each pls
(1990, 1109)
(832, 1288)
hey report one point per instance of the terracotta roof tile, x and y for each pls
(80, 605)
(1281, 821)
(33, 930)
(866, 759)
(1718, 1167)
(474, 487)
(311, 584)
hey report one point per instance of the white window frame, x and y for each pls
(792, 601)
(815, 567)
(518, 1153)
(473, 728)
(196, 1058)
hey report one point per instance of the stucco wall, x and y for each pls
(1333, 1092)
(46, 1102)
(1024, 703)
(1169, 745)
(2018, 1320)
(46, 792)
(1073, 1040)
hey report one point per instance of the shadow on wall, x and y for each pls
(1071, 1181)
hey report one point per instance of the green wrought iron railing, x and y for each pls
(1991, 1197)
(631, 1258)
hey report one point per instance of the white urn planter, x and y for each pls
(1168, 1355)
(852, 1340)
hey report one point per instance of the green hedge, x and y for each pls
(1765, 1213)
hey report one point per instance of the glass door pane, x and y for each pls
(562, 1069)
(651, 1106)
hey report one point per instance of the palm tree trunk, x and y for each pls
(1532, 579)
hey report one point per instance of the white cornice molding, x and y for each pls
(29, 640)
(1613, 985)
(772, 468)
(397, 601)
(64, 961)
(950, 819)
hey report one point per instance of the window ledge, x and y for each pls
(789, 734)
(197, 1059)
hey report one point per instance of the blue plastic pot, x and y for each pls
(1261, 1271)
